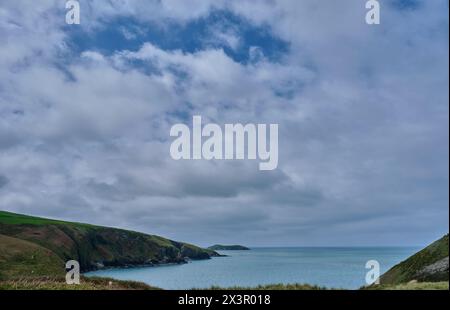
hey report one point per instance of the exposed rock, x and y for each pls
(437, 271)
(427, 265)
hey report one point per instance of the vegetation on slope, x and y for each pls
(19, 257)
(28, 266)
(95, 246)
(427, 265)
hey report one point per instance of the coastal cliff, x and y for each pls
(94, 247)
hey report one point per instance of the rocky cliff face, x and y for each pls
(435, 272)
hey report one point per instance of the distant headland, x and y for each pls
(234, 247)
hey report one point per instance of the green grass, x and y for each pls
(411, 286)
(22, 258)
(20, 219)
(305, 287)
(58, 283)
(28, 266)
(276, 287)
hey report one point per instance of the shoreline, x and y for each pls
(137, 266)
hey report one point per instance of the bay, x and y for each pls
(342, 267)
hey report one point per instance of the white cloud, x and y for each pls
(363, 116)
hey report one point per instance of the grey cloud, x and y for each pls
(3, 181)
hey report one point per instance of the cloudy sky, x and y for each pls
(86, 110)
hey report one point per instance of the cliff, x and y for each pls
(93, 246)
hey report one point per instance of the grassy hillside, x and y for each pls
(93, 246)
(19, 257)
(427, 265)
(21, 219)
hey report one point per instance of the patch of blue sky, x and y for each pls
(405, 4)
(220, 29)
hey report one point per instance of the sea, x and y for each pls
(343, 267)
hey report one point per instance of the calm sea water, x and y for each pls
(331, 267)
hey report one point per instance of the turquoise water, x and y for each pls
(331, 267)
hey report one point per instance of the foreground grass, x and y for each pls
(97, 283)
(275, 287)
(426, 286)
(59, 283)
(306, 287)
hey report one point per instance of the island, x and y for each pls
(221, 247)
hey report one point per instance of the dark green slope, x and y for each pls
(427, 265)
(96, 246)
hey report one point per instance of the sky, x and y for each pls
(86, 111)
